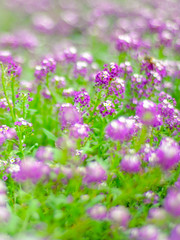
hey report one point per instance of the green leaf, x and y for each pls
(49, 134)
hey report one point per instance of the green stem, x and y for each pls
(47, 84)
(24, 109)
(20, 142)
(13, 95)
(94, 110)
(142, 138)
(5, 93)
(12, 109)
(122, 57)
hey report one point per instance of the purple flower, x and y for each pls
(125, 69)
(79, 130)
(172, 202)
(155, 25)
(148, 113)
(97, 212)
(46, 93)
(165, 38)
(153, 65)
(87, 57)
(113, 70)
(80, 68)
(123, 43)
(4, 213)
(103, 78)
(3, 103)
(6, 133)
(5, 57)
(177, 45)
(82, 97)
(69, 115)
(2, 139)
(9, 40)
(168, 99)
(169, 114)
(5, 177)
(31, 170)
(119, 215)
(43, 23)
(66, 143)
(26, 85)
(14, 69)
(28, 41)
(150, 197)
(48, 65)
(69, 92)
(2, 187)
(59, 81)
(81, 154)
(117, 88)
(175, 233)
(70, 55)
(131, 163)
(168, 153)
(95, 173)
(40, 72)
(121, 129)
(157, 214)
(106, 108)
(139, 85)
(148, 232)
(22, 122)
(67, 171)
(44, 154)
(177, 183)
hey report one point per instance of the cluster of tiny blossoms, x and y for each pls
(89, 120)
(47, 65)
(82, 97)
(6, 133)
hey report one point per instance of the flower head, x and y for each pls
(95, 173)
(168, 153)
(97, 212)
(148, 113)
(119, 215)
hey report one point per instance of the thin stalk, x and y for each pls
(5, 93)
(20, 142)
(94, 110)
(13, 95)
(47, 84)
(24, 109)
